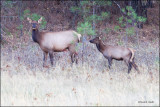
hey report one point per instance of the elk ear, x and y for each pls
(30, 21)
(40, 20)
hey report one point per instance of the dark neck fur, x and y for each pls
(35, 34)
(100, 46)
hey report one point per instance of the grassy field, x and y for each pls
(78, 86)
(25, 82)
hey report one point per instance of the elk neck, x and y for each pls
(101, 46)
(36, 35)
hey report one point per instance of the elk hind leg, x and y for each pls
(129, 67)
(76, 58)
(135, 66)
(129, 64)
(72, 53)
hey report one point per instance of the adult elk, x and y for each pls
(51, 42)
(116, 52)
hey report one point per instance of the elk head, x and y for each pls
(34, 23)
(96, 40)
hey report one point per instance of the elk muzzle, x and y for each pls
(33, 25)
(91, 41)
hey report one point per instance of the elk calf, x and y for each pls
(115, 52)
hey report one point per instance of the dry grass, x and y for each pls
(77, 86)
(25, 82)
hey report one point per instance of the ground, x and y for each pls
(25, 82)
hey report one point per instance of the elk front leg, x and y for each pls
(45, 59)
(109, 61)
(51, 57)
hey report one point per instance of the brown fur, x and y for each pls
(115, 52)
(51, 42)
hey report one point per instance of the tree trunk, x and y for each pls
(139, 13)
(93, 25)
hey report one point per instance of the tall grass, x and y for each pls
(77, 85)
(25, 82)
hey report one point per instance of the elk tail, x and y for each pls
(79, 35)
(132, 56)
